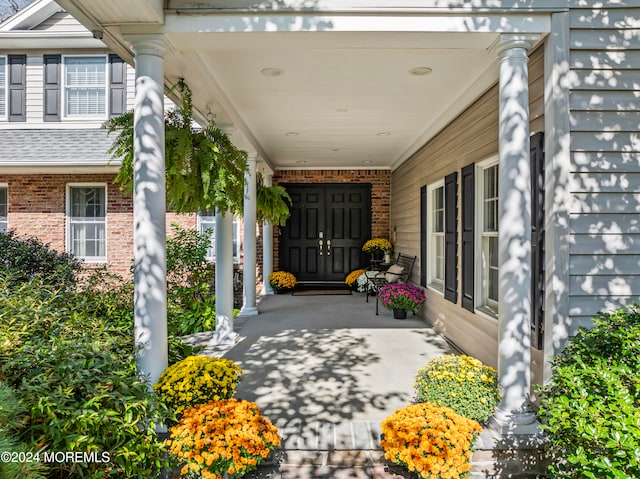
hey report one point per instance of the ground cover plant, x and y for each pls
(591, 408)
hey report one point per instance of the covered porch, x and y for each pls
(326, 86)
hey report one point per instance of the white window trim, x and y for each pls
(87, 259)
(5, 116)
(481, 287)
(6, 186)
(63, 90)
(432, 282)
(236, 226)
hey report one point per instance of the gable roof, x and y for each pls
(30, 16)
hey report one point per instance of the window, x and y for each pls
(435, 240)
(488, 258)
(85, 87)
(87, 222)
(3, 87)
(4, 208)
(207, 222)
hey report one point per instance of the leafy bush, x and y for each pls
(432, 441)
(227, 436)
(197, 380)
(462, 383)
(191, 303)
(10, 425)
(591, 408)
(22, 258)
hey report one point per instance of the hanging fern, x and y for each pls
(204, 170)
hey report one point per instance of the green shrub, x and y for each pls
(461, 383)
(21, 463)
(191, 302)
(22, 258)
(591, 408)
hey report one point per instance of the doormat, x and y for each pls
(320, 292)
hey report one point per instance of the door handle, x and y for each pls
(328, 247)
(320, 249)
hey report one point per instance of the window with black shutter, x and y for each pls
(17, 87)
(51, 109)
(537, 240)
(451, 237)
(423, 235)
(468, 233)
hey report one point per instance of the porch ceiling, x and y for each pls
(323, 92)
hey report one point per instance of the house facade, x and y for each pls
(497, 141)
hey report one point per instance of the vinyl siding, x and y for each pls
(61, 22)
(604, 263)
(470, 138)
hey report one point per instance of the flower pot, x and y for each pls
(399, 314)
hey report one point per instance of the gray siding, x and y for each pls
(604, 263)
(470, 138)
(61, 22)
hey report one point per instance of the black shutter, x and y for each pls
(468, 233)
(451, 237)
(537, 240)
(423, 236)
(52, 103)
(17, 87)
(117, 85)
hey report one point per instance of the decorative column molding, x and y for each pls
(149, 208)
(513, 415)
(249, 247)
(224, 279)
(267, 245)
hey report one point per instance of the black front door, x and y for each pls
(323, 238)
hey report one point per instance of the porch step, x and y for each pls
(329, 436)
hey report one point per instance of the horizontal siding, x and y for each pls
(604, 263)
(35, 88)
(471, 137)
(61, 22)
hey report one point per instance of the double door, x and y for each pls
(322, 240)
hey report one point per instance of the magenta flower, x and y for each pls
(401, 296)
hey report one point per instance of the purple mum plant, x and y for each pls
(401, 296)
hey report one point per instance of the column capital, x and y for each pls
(508, 41)
(147, 44)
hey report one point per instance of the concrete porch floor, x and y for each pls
(326, 371)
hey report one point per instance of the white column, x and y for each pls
(224, 278)
(514, 237)
(249, 269)
(267, 246)
(149, 208)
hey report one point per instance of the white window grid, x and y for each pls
(86, 236)
(487, 270)
(80, 85)
(4, 89)
(207, 221)
(4, 208)
(435, 236)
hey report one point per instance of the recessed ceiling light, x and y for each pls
(367, 162)
(301, 162)
(272, 72)
(292, 133)
(383, 133)
(420, 71)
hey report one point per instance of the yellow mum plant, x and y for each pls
(376, 245)
(462, 383)
(197, 380)
(432, 441)
(282, 280)
(227, 436)
(353, 277)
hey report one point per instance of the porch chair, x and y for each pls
(398, 272)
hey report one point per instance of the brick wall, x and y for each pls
(37, 207)
(380, 181)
